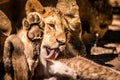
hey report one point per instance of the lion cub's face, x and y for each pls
(54, 39)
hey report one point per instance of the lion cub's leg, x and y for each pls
(33, 25)
(14, 57)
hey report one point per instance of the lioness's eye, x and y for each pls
(52, 25)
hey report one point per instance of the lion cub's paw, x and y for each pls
(33, 24)
(33, 18)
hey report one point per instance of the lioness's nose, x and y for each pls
(61, 42)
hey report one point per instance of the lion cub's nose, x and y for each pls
(61, 42)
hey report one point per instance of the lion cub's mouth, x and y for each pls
(52, 53)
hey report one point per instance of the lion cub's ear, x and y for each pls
(67, 24)
(34, 6)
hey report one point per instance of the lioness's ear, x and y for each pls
(34, 6)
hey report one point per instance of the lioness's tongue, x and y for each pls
(50, 54)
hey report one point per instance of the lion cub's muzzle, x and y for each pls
(52, 53)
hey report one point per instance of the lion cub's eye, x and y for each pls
(52, 25)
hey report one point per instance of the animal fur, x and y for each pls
(58, 34)
(88, 70)
(21, 50)
(14, 58)
(51, 39)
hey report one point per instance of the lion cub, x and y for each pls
(21, 50)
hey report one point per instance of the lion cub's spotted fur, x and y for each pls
(88, 70)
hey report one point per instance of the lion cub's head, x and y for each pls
(56, 29)
(54, 39)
